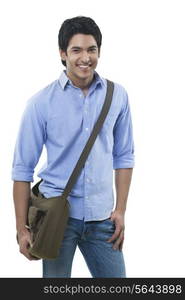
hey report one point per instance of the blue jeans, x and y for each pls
(91, 238)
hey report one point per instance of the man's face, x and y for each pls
(81, 57)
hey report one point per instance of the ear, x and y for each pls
(98, 52)
(62, 54)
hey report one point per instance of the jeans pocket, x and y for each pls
(104, 230)
(111, 224)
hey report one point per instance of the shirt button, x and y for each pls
(87, 180)
(86, 128)
(87, 197)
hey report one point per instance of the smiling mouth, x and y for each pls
(84, 67)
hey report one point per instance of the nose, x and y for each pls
(85, 57)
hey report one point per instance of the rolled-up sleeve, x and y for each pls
(29, 143)
(123, 149)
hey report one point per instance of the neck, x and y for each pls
(81, 83)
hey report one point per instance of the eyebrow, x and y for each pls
(91, 47)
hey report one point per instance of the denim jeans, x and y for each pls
(91, 238)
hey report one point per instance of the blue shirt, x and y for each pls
(61, 118)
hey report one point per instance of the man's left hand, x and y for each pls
(118, 236)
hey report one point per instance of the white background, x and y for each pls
(143, 49)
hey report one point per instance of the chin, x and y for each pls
(85, 75)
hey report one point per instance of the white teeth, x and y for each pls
(84, 67)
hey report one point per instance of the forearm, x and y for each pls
(21, 195)
(122, 184)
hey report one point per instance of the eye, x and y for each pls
(93, 50)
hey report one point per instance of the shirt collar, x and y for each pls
(64, 80)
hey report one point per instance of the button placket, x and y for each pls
(87, 132)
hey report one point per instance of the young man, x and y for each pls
(61, 117)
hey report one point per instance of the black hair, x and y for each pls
(76, 25)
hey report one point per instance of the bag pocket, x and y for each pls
(35, 219)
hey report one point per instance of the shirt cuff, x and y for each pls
(20, 174)
(123, 163)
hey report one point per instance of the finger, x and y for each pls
(115, 235)
(29, 243)
(121, 245)
(25, 252)
(28, 255)
(116, 245)
(24, 249)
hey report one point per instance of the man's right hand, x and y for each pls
(24, 240)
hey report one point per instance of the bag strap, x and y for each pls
(89, 144)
